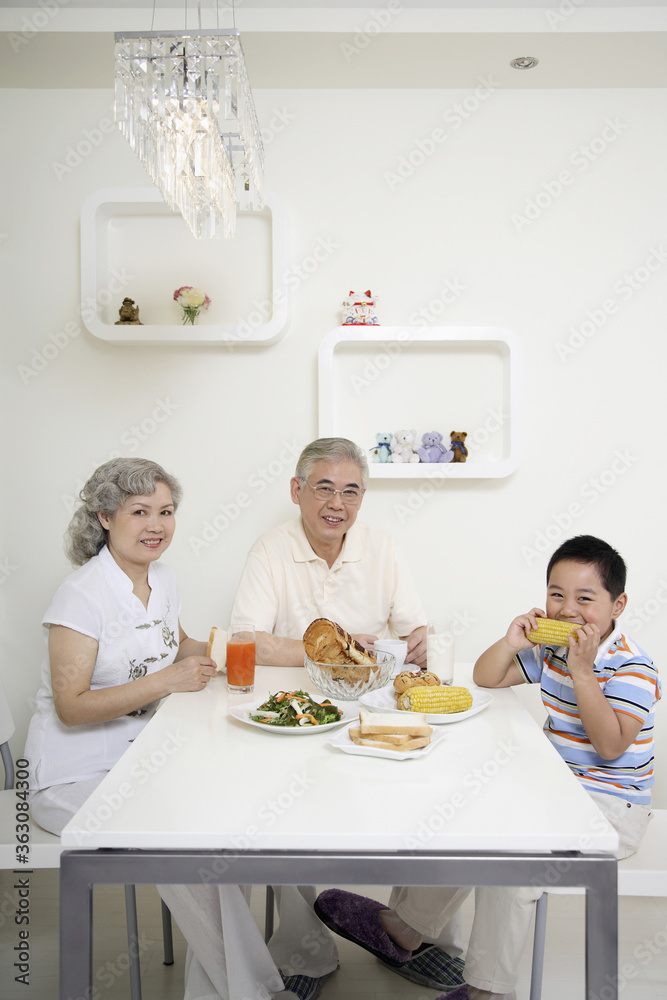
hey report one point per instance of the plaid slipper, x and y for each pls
(460, 994)
(357, 918)
(303, 987)
(431, 966)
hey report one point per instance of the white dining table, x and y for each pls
(203, 795)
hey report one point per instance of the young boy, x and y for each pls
(600, 693)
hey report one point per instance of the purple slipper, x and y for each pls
(460, 993)
(357, 918)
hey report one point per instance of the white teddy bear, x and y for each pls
(403, 447)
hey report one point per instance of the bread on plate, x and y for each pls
(381, 723)
(389, 731)
(418, 678)
(382, 743)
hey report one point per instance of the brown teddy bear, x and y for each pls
(458, 446)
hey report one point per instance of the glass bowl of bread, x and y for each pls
(348, 681)
(340, 666)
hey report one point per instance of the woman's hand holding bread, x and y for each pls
(191, 674)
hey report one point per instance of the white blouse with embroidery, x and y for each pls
(97, 600)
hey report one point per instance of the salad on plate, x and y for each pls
(295, 708)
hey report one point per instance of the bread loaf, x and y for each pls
(327, 642)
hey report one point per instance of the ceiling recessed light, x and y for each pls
(524, 62)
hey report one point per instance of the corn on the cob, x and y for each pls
(553, 632)
(440, 700)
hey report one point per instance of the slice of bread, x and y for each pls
(387, 737)
(381, 723)
(217, 648)
(379, 744)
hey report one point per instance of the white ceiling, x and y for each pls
(337, 44)
(241, 5)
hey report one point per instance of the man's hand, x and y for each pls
(365, 640)
(416, 646)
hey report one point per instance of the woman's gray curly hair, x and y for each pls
(107, 490)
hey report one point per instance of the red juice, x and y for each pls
(241, 665)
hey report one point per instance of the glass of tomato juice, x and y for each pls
(241, 658)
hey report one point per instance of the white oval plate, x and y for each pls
(342, 741)
(384, 700)
(242, 713)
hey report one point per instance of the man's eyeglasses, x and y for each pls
(351, 496)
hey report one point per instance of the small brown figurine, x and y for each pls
(458, 447)
(129, 314)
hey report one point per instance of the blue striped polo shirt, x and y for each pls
(630, 683)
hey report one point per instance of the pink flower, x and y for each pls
(191, 300)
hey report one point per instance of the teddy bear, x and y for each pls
(382, 450)
(403, 447)
(459, 448)
(433, 450)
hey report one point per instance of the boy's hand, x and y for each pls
(584, 645)
(516, 637)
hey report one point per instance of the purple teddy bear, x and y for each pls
(433, 450)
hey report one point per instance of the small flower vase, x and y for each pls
(190, 314)
(192, 301)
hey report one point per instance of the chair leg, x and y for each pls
(167, 938)
(133, 941)
(539, 941)
(268, 916)
(8, 762)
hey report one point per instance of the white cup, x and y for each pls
(440, 653)
(398, 648)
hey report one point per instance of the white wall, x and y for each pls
(478, 548)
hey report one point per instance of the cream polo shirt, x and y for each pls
(285, 585)
(97, 600)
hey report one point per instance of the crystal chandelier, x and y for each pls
(184, 104)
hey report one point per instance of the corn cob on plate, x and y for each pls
(445, 700)
(551, 632)
(384, 700)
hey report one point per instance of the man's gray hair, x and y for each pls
(109, 487)
(334, 449)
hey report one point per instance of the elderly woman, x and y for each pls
(115, 648)
(115, 644)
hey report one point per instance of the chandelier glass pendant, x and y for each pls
(183, 102)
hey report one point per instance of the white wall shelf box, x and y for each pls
(458, 378)
(133, 244)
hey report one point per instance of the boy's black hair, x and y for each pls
(594, 552)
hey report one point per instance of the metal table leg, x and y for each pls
(76, 929)
(602, 934)
(80, 869)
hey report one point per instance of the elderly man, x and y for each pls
(325, 564)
